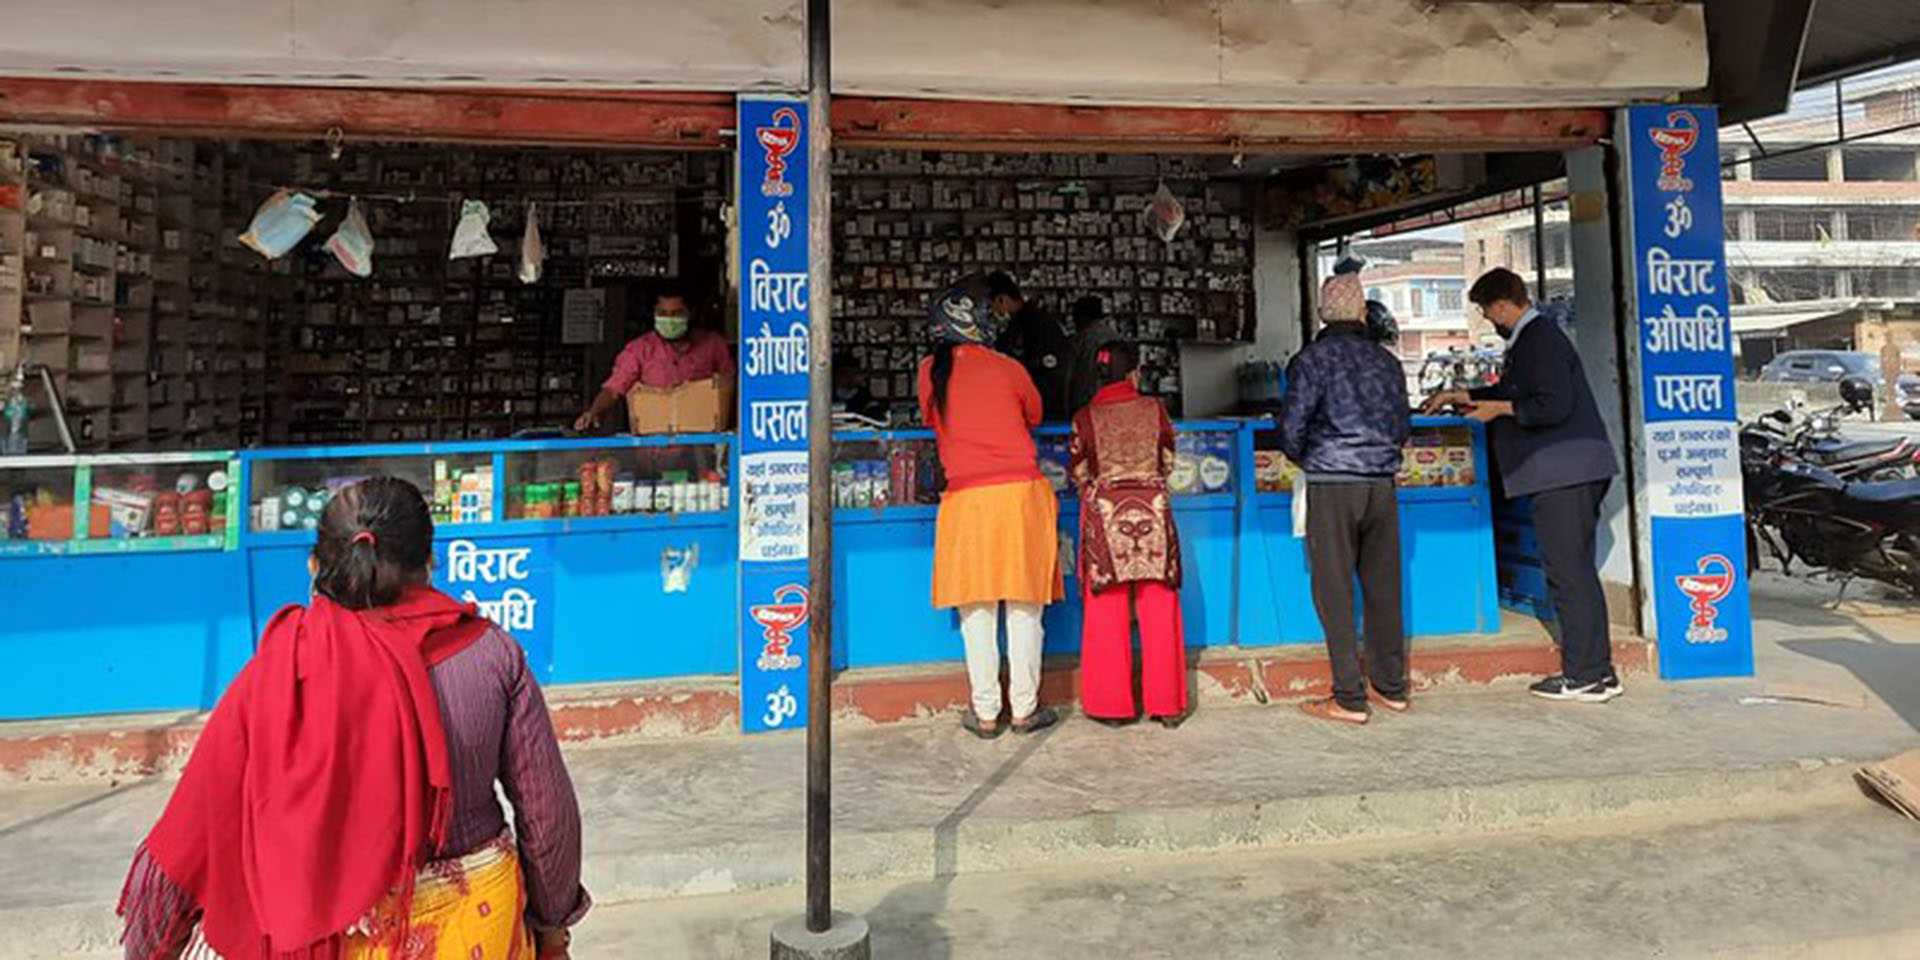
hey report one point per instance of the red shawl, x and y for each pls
(320, 780)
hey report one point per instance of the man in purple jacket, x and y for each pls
(1344, 421)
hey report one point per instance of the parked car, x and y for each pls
(1821, 366)
(1909, 385)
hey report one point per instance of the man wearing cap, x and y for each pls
(1344, 421)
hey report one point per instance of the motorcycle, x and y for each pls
(1846, 527)
(1814, 439)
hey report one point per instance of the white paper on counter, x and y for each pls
(1300, 509)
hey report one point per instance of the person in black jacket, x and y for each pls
(1550, 443)
(1344, 421)
(1034, 336)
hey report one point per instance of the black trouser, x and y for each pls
(1565, 522)
(1354, 528)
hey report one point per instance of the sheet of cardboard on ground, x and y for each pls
(1896, 781)
(703, 406)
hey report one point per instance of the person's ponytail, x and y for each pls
(942, 375)
(375, 539)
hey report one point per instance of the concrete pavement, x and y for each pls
(1826, 882)
(922, 803)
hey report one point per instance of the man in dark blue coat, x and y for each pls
(1344, 421)
(1549, 443)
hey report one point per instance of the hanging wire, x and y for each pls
(448, 198)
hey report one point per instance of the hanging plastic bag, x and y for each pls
(280, 223)
(470, 237)
(533, 253)
(1166, 214)
(352, 243)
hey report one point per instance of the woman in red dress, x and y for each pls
(1129, 549)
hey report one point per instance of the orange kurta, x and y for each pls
(997, 537)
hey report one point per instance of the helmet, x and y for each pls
(1380, 323)
(964, 313)
(1856, 393)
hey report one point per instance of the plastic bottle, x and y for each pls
(18, 412)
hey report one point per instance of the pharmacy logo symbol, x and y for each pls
(778, 140)
(777, 621)
(1675, 141)
(1706, 588)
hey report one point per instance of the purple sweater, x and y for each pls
(497, 730)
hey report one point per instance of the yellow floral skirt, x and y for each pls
(473, 908)
(997, 543)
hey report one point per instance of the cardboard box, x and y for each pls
(703, 406)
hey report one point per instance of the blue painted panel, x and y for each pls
(883, 572)
(118, 633)
(614, 621)
(1446, 557)
(611, 618)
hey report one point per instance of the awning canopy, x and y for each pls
(1853, 36)
(1229, 53)
(1749, 324)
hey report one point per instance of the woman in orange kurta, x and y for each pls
(996, 542)
(1129, 549)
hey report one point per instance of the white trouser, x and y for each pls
(979, 626)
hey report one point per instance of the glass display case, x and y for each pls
(902, 468)
(1436, 456)
(877, 471)
(289, 493)
(617, 480)
(156, 501)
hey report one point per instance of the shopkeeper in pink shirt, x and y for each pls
(672, 354)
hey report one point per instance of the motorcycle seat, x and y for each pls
(1842, 451)
(1889, 491)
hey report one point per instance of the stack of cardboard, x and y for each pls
(1897, 781)
(703, 406)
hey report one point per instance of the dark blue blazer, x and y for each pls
(1555, 437)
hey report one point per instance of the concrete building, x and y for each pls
(1424, 283)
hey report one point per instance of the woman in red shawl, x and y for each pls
(1129, 549)
(340, 802)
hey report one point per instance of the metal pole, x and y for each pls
(1539, 246)
(820, 469)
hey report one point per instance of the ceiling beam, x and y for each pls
(677, 120)
(988, 126)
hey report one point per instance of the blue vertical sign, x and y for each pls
(772, 245)
(1702, 617)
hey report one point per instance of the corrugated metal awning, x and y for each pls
(1852, 36)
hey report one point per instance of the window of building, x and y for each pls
(1452, 301)
(1887, 282)
(1790, 225)
(1418, 299)
(1872, 223)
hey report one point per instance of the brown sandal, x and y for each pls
(1327, 708)
(1397, 706)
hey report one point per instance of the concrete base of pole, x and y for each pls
(847, 939)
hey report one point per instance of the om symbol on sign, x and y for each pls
(781, 706)
(1679, 217)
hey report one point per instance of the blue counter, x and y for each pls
(115, 626)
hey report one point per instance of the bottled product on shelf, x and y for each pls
(601, 488)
